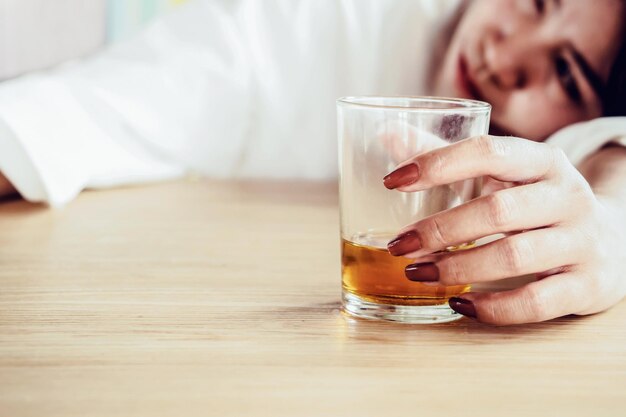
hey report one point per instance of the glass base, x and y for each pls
(359, 307)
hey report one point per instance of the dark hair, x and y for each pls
(614, 97)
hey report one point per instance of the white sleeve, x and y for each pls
(580, 140)
(129, 114)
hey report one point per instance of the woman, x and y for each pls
(225, 87)
(543, 65)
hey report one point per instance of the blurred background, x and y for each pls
(36, 34)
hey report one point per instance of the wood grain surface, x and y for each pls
(222, 299)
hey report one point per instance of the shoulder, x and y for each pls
(582, 140)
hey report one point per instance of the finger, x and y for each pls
(520, 254)
(491, 185)
(552, 297)
(513, 209)
(503, 158)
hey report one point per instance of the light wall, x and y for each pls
(38, 34)
(126, 16)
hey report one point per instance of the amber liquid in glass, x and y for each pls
(369, 271)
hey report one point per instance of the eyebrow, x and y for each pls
(593, 78)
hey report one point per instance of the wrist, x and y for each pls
(6, 188)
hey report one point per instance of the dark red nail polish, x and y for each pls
(462, 306)
(405, 175)
(422, 272)
(405, 243)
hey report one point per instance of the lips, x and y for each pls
(465, 82)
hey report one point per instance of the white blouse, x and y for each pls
(225, 88)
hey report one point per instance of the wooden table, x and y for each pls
(222, 299)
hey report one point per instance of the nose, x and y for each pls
(509, 58)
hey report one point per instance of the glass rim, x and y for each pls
(454, 104)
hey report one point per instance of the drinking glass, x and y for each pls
(376, 134)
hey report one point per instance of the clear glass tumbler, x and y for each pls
(375, 135)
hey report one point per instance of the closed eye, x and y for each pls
(567, 80)
(540, 6)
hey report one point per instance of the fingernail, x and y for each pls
(405, 175)
(425, 271)
(405, 243)
(462, 306)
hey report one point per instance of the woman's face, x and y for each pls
(541, 63)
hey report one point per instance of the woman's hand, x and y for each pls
(6, 188)
(556, 228)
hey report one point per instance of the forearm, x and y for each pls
(6, 188)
